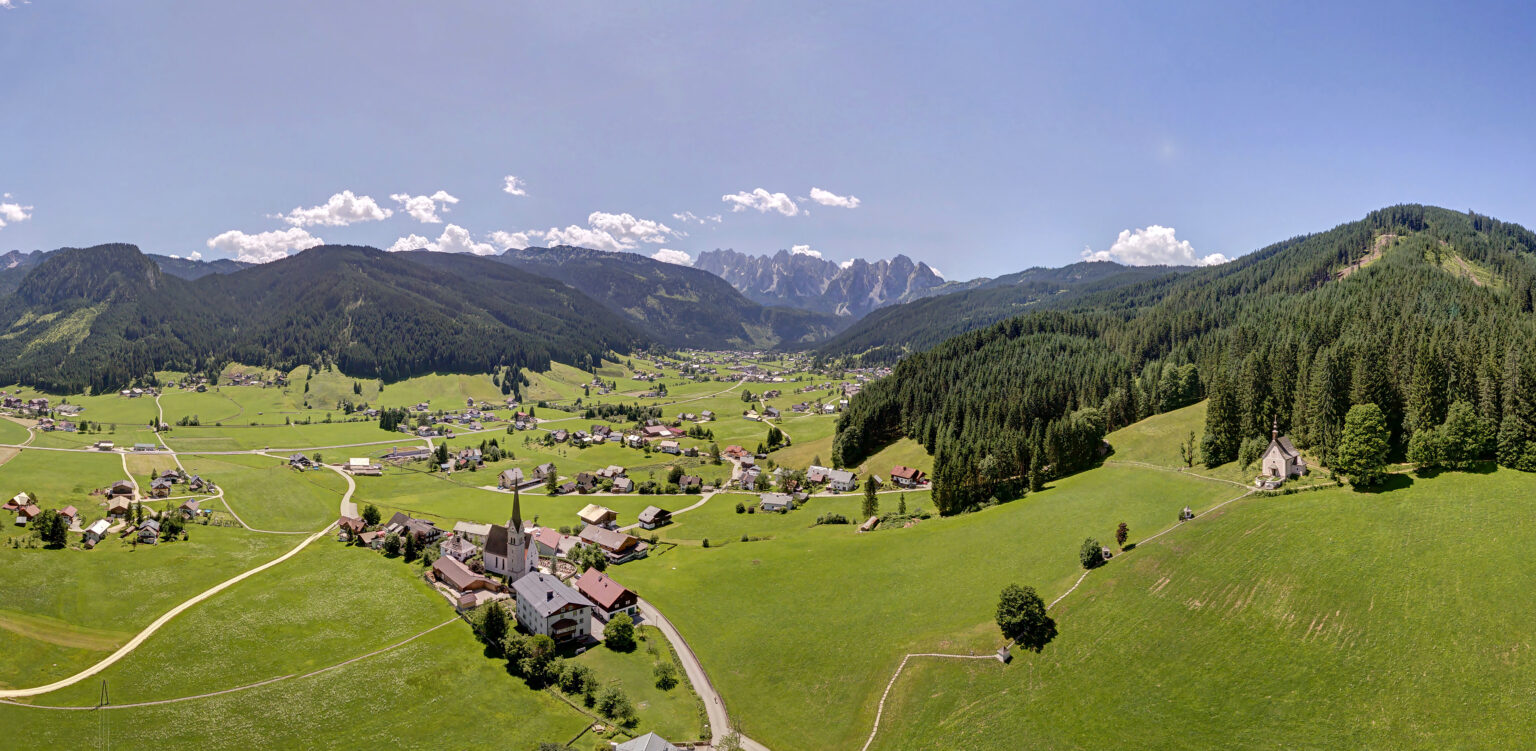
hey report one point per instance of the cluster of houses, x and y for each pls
(35, 406)
(137, 393)
(241, 378)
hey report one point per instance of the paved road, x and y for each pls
(148, 631)
(719, 721)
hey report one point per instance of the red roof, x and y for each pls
(70, 511)
(905, 473)
(600, 589)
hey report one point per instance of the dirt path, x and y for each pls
(714, 707)
(149, 630)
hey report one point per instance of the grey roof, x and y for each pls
(775, 499)
(1287, 449)
(647, 742)
(840, 476)
(653, 513)
(496, 540)
(546, 594)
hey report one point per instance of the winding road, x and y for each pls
(714, 706)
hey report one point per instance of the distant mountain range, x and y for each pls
(675, 305)
(15, 264)
(813, 283)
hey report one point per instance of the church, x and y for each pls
(510, 550)
(1281, 461)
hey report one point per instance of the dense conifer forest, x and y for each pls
(1414, 309)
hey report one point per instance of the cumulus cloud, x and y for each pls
(849, 263)
(804, 250)
(13, 212)
(265, 246)
(763, 201)
(342, 209)
(615, 232)
(424, 208)
(828, 198)
(668, 255)
(1153, 246)
(517, 240)
(455, 239)
(514, 185)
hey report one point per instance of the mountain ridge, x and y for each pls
(810, 282)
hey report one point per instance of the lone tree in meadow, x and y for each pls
(1362, 454)
(871, 501)
(1022, 618)
(371, 515)
(493, 629)
(1091, 554)
(1122, 533)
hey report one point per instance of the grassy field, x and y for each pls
(268, 495)
(60, 478)
(861, 601)
(71, 607)
(1327, 619)
(1156, 440)
(674, 714)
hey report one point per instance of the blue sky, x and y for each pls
(979, 137)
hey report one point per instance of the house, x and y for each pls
(595, 515)
(509, 478)
(70, 514)
(105, 446)
(189, 508)
(619, 547)
(1281, 461)
(907, 477)
(707, 415)
(734, 452)
(149, 532)
(552, 544)
(623, 485)
(452, 572)
(197, 483)
(776, 502)
(613, 471)
(410, 453)
(560, 436)
(586, 482)
(476, 533)
(96, 531)
(160, 488)
(608, 597)
(26, 514)
(653, 517)
(423, 530)
(543, 471)
(842, 479)
(655, 431)
(647, 742)
(565, 489)
(352, 525)
(362, 466)
(547, 607)
(121, 487)
(118, 506)
(17, 502)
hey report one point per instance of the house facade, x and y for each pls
(548, 607)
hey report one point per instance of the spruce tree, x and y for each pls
(1362, 453)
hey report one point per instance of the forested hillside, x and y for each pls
(677, 305)
(101, 317)
(1413, 309)
(15, 265)
(887, 334)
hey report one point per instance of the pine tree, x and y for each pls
(1362, 453)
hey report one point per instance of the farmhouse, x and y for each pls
(26, 514)
(599, 516)
(459, 548)
(410, 453)
(653, 517)
(907, 477)
(423, 530)
(121, 487)
(20, 500)
(776, 502)
(189, 508)
(619, 547)
(552, 544)
(475, 533)
(623, 485)
(548, 607)
(96, 531)
(842, 479)
(509, 550)
(607, 596)
(149, 532)
(543, 471)
(509, 479)
(352, 525)
(362, 466)
(459, 578)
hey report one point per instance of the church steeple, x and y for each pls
(517, 514)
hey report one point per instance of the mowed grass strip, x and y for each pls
(798, 630)
(1327, 619)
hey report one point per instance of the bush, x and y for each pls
(1092, 553)
(706, 542)
(831, 519)
(1250, 451)
(741, 508)
(619, 635)
(666, 675)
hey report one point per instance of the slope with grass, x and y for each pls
(1398, 619)
(861, 601)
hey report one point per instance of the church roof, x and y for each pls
(1287, 449)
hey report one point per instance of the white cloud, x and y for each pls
(849, 263)
(804, 250)
(828, 198)
(195, 255)
(668, 255)
(514, 185)
(1152, 246)
(936, 271)
(614, 232)
(342, 209)
(688, 217)
(265, 246)
(763, 201)
(14, 212)
(455, 239)
(424, 208)
(517, 240)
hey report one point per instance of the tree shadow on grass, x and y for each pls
(1388, 484)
